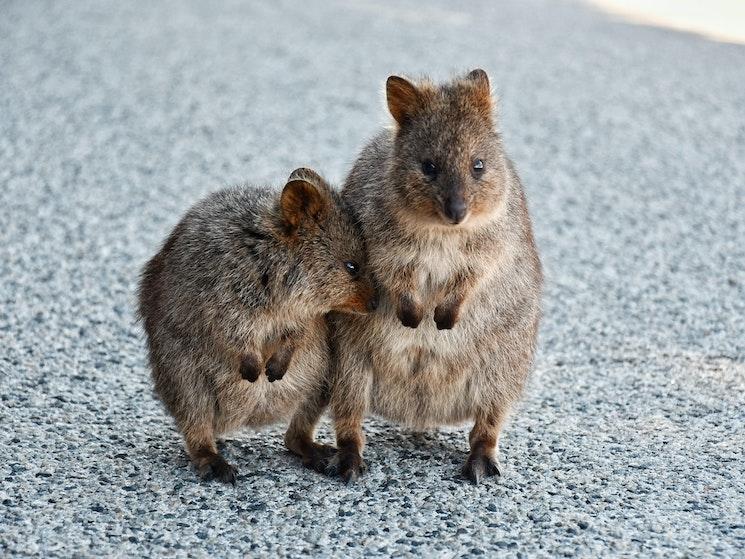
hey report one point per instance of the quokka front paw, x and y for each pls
(219, 469)
(480, 465)
(446, 315)
(409, 311)
(276, 368)
(250, 368)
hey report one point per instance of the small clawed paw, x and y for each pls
(446, 317)
(275, 371)
(479, 466)
(409, 313)
(410, 321)
(250, 369)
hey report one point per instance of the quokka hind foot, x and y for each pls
(218, 469)
(319, 457)
(480, 466)
(210, 465)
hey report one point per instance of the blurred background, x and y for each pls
(720, 20)
(625, 121)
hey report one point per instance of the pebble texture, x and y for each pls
(116, 116)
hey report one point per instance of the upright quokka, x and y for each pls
(235, 301)
(450, 244)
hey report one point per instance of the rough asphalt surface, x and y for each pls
(114, 118)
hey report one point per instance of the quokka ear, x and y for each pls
(403, 97)
(481, 91)
(302, 201)
(306, 174)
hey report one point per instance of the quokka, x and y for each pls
(233, 307)
(450, 245)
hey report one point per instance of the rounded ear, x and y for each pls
(306, 174)
(482, 90)
(479, 77)
(301, 201)
(403, 98)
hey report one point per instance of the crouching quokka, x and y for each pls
(233, 307)
(445, 221)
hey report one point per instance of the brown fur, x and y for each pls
(454, 337)
(233, 309)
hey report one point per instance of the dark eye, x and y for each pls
(429, 169)
(353, 269)
(478, 167)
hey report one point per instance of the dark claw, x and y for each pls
(446, 317)
(320, 458)
(219, 469)
(349, 466)
(409, 313)
(275, 371)
(278, 364)
(479, 466)
(408, 320)
(250, 368)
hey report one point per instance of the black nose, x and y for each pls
(372, 304)
(455, 209)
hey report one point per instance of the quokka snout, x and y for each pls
(235, 301)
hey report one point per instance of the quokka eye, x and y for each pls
(353, 269)
(478, 167)
(429, 169)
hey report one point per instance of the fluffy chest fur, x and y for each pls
(258, 403)
(435, 263)
(421, 377)
(426, 376)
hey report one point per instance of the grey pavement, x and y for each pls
(116, 116)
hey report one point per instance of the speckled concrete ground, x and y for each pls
(115, 117)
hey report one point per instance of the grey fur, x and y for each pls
(454, 338)
(240, 288)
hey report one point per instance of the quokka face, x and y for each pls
(331, 247)
(448, 163)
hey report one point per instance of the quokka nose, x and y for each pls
(455, 209)
(372, 304)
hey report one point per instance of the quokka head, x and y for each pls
(329, 245)
(448, 166)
